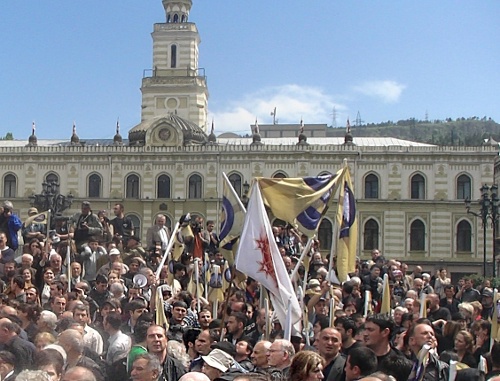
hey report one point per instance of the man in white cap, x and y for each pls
(216, 363)
(32, 228)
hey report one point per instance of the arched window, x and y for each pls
(279, 175)
(9, 186)
(418, 187)
(417, 236)
(371, 186)
(94, 189)
(176, 18)
(163, 187)
(463, 187)
(136, 222)
(195, 187)
(173, 55)
(370, 235)
(184, 18)
(325, 234)
(464, 236)
(52, 178)
(235, 181)
(132, 187)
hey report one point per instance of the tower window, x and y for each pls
(176, 18)
(173, 56)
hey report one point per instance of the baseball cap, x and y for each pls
(313, 283)
(218, 359)
(487, 293)
(114, 252)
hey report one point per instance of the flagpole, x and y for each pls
(302, 256)
(288, 323)
(197, 275)
(167, 250)
(235, 195)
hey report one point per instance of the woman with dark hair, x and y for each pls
(306, 366)
(50, 361)
(447, 341)
(28, 314)
(44, 287)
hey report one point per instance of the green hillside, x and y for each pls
(460, 132)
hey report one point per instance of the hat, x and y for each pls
(165, 288)
(114, 251)
(313, 283)
(487, 293)
(32, 211)
(218, 359)
(135, 238)
(225, 346)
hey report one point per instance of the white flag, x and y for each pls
(258, 257)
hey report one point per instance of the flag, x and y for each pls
(385, 308)
(233, 215)
(161, 319)
(40, 218)
(423, 306)
(258, 257)
(494, 319)
(347, 227)
(299, 201)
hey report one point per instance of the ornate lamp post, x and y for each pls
(244, 196)
(50, 199)
(488, 211)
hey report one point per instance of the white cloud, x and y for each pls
(387, 91)
(292, 103)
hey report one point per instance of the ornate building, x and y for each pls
(410, 195)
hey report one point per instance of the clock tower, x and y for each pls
(175, 85)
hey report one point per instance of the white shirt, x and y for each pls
(119, 346)
(92, 339)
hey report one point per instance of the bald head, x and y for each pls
(78, 373)
(194, 376)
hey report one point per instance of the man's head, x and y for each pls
(55, 261)
(8, 330)
(236, 323)
(26, 260)
(361, 362)
(161, 220)
(329, 343)
(347, 328)
(179, 311)
(280, 354)
(72, 341)
(118, 209)
(136, 308)
(156, 339)
(86, 208)
(243, 350)
(3, 240)
(204, 340)
(259, 354)
(78, 373)
(81, 314)
(449, 291)
(58, 305)
(378, 331)
(420, 334)
(146, 367)
(112, 322)
(204, 318)
(7, 362)
(76, 269)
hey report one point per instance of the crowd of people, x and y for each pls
(97, 319)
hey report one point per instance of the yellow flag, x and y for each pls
(385, 308)
(347, 222)
(161, 319)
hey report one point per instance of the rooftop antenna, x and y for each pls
(273, 114)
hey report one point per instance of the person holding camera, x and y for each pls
(10, 224)
(84, 225)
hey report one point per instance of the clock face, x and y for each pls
(164, 134)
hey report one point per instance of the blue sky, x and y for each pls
(82, 61)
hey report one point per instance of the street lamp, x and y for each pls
(50, 199)
(488, 211)
(244, 196)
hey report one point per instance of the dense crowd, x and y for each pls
(98, 319)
